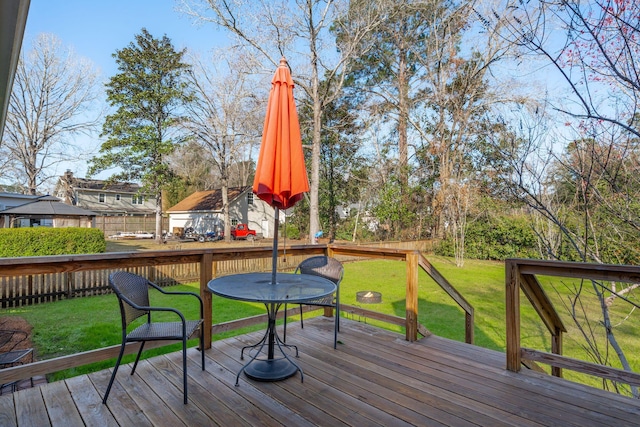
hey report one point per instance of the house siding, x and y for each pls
(90, 199)
(258, 215)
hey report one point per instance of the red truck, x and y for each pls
(242, 232)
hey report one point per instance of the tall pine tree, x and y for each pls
(149, 93)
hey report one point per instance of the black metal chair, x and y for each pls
(133, 296)
(11, 355)
(329, 268)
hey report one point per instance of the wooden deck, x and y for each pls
(374, 378)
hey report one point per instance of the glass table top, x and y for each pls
(258, 287)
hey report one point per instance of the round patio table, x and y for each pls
(259, 287)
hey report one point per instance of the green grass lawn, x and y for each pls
(73, 326)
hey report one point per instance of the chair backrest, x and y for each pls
(323, 266)
(130, 287)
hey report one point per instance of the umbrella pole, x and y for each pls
(274, 266)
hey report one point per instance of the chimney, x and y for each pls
(67, 183)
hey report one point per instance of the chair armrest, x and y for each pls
(153, 308)
(153, 285)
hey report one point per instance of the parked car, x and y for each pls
(242, 232)
(209, 236)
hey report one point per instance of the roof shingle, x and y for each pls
(209, 201)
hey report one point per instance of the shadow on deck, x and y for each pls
(375, 377)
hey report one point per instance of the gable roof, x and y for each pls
(101, 185)
(208, 201)
(47, 205)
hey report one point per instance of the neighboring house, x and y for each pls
(203, 211)
(46, 211)
(354, 209)
(11, 200)
(106, 199)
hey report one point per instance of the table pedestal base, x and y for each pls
(270, 369)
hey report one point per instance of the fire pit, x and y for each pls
(369, 297)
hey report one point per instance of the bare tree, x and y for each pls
(224, 119)
(299, 31)
(584, 200)
(50, 104)
(594, 47)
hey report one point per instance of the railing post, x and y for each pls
(469, 322)
(206, 274)
(412, 296)
(512, 282)
(556, 348)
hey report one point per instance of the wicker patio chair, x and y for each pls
(329, 268)
(133, 296)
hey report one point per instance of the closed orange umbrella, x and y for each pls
(281, 176)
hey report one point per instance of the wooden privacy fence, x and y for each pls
(30, 289)
(110, 225)
(16, 291)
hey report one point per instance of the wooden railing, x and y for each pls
(414, 259)
(520, 275)
(208, 260)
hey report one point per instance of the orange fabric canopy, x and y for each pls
(281, 176)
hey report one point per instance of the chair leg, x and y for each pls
(336, 327)
(184, 367)
(113, 375)
(137, 357)
(202, 344)
(284, 335)
(301, 321)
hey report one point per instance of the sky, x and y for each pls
(95, 29)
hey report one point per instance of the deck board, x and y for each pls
(477, 395)
(60, 407)
(374, 378)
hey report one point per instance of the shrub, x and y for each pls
(19, 242)
(292, 231)
(496, 238)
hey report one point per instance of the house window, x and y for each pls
(137, 200)
(234, 222)
(118, 197)
(102, 197)
(250, 198)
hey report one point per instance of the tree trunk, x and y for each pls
(159, 217)
(314, 185)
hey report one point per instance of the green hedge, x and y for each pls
(19, 242)
(496, 238)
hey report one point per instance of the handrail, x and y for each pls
(414, 259)
(454, 294)
(207, 258)
(520, 275)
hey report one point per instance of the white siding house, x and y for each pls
(203, 211)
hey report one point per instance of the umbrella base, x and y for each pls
(271, 369)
